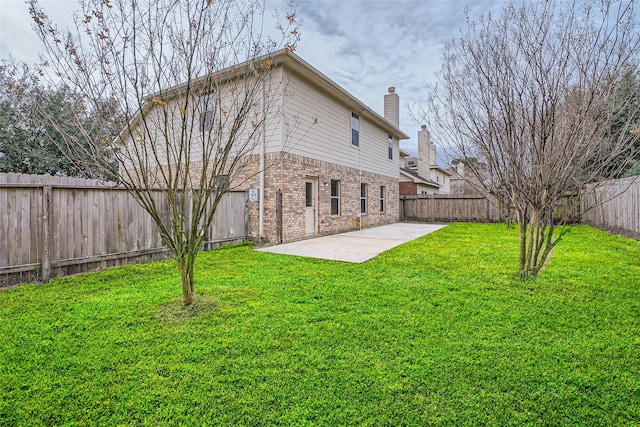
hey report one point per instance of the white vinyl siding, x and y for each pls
(204, 113)
(324, 130)
(275, 90)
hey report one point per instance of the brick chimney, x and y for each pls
(392, 107)
(432, 154)
(424, 152)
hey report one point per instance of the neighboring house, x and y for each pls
(465, 182)
(337, 170)
(411, 183)
(422, 175)
(458, 184)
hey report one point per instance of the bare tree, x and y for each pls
(532, 94)
(194, 82)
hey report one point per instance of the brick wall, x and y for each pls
(408, 188)
(289, 172)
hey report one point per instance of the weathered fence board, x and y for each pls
(614, 206)
(53, 226)
(448, 208)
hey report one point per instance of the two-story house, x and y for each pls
(339, 174)
(336, 170)
(422, 174)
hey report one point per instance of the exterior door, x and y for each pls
(311, 210)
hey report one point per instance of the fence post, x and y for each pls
(489, 219)
(45, 261)
(431, 204)
(246, 215)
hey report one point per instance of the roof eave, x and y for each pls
(296, 63)
(418, 179)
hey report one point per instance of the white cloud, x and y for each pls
(363, 45)
(17, 36)
(367, 46)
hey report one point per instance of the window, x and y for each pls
(308, 201)
(335, 197)
(207, 104)
(390, 146)
(221, 183)
(382, 190)
(363, 198)
(355, 129)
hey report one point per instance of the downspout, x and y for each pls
(360, 198)
(261, 165)
(360, 172)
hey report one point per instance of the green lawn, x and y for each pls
(438, 331)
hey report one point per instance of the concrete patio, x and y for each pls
(355, 246)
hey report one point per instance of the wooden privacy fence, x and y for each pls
(56, 226)
(613, 206)
(448, 208)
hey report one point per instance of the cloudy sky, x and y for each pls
(363, 45)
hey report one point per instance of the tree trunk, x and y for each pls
(548, 246)
(532, 234)
(186, 266)
(522, 232)
(536, 243)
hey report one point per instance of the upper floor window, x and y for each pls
(355, 129)
(206, 106)
(390, 146)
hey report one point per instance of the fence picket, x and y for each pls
(4, 226)
(618, 206)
